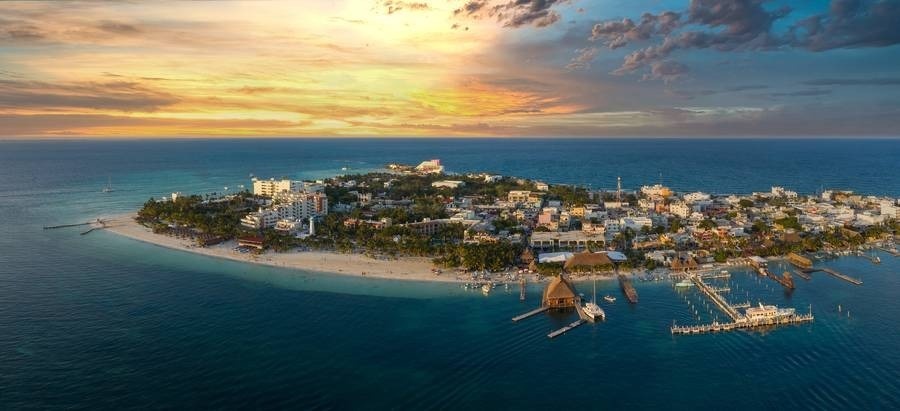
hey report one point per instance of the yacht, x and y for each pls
(609, 298)
(684, 284)
(591, 310)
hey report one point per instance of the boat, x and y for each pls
(684, 284)
(609, 298)
(591, 310)
(486, 289)
(108, 188)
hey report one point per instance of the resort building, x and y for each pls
(448, 184)
(570, 240)
(559, 294)
(272, 186)
(432, 166)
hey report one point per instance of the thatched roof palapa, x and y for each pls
(588, 260)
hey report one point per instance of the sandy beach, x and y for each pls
(406, 268)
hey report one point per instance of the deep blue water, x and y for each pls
(99, 321)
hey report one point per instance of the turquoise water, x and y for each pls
(100, 321)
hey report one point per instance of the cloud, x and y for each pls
(666, 70)
(850, 24)
(583, 59)
(890, 81)
(393, 6)
(118, 96)
(513, 13)
(747, 25)
(801, 93)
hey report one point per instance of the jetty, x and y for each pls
(522, 289)
(531, 313)
(803, 275)
(566, 329)
(893, 252)
(716, 326)
(53, 227)
(851, 280)
(628, 289)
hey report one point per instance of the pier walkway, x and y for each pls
(846, 278)
(531, 313)
(715, 326)
(894, 253)
(803, 275)
(565, 329)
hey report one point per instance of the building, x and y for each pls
(680, 209)
(518, 196)
(559, 294)
(432, 166)
(541, 186)
(569, 240)
(695, 197)
(636, 223)
(448, 184)
(272, 186)
(256, 242)
(656, 190)
(588, 262)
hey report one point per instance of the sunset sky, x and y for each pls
(450, 68)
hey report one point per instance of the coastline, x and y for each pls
(405, 268)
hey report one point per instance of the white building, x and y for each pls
(694, 197)
(448, 184)
(518, 196)
(680, 209)
(656, 190)
(781, 192)
(541, 186)
(636, 223)
(272, 186)
(432, 166)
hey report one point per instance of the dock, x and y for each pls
(521, 290)
(803, 275)
(716, 326)
(531, 313)
(717, 299)
(53, 227)
(565, 329)
(894, 253)
(628, 289)
(851, 280)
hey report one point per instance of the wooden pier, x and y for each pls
(565, 329)
(717, 299)
(531, 313)
(894, 253)
(851, 280)
(716, 326)
(803, 275)
(522, 289)
(628, 289)
(53, 227)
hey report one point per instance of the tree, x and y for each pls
(745, 203)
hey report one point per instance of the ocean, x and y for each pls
(99, 321)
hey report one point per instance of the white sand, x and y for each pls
(406, 268)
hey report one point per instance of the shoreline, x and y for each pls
(355, 265)
(322, 262)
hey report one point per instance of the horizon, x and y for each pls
(450, 69)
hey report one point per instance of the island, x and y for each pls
(421, 223)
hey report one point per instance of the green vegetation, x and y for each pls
(217, 217)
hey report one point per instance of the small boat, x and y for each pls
(610, 299)
(108, 188)
(684, 284)
(486, 289)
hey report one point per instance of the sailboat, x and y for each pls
(591, 310)
(108, 188)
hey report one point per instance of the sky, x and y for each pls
(468, 68)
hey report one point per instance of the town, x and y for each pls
(493, 222)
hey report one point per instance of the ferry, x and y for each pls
(609, 299)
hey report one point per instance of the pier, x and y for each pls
(894, 252)
(717, 299)
(521, 289)
(803, 275)
(531, 313)
(715, 326)
(628, 289)
(53, 227)
(565, 329)
(851, 280)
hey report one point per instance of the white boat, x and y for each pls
(610, 299)
(591, 310)
(684, 284)
(108, 188)
(486, 289)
